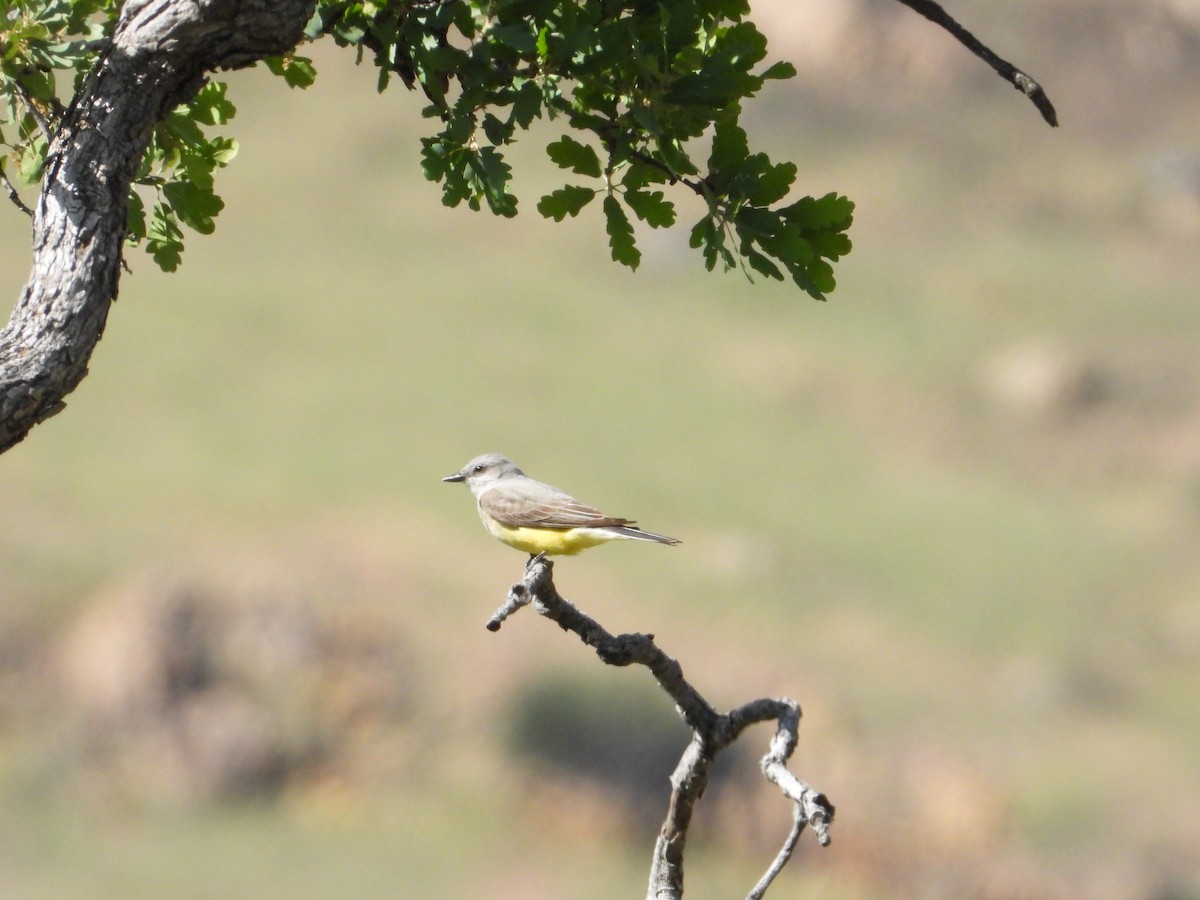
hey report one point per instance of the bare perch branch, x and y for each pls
(783, 856)
(711, 731)
(1006, 70)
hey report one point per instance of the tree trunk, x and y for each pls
(158, 58)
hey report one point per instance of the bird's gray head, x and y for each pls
(484, 471)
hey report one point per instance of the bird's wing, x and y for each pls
(530, 503)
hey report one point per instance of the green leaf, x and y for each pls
(729, 145)
(620, 234)
(221, 151)
(712, 89)
(528, 104)
(165, 240)
(322, 19)
(566, 201)
(495, 175)
(676, 158)
(581, 159)
(195, 206)
(830, 212)
(820, 275)
(517, 37)
(296, 71)
(754, 222)
(135, 218)
(31, 160)
(772, 185)
(742, 45)
(434, 162)
(779, 71)
(497, 131)
(647, 119)
(701, 233)
(209, 106)
(167, 254)
(710, 238)
(39, 85)
(762, 264)
(730, 9)
(651, 208)
(180, 128)
(788, 246)
(639, 175)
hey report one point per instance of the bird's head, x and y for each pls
(484, 471)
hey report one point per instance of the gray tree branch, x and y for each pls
(158, 58)
(711, 731)
(1006, 70)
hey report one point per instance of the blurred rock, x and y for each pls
(186, 688)
(1041, 379)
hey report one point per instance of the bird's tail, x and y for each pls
(629, 531)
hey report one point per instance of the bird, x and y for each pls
(538, 518)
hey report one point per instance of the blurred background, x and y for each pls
(954, 511)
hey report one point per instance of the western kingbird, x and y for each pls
(537, 517)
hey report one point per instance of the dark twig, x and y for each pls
(1006, 70)
(13, 195)
(43, 123)
(711, 731)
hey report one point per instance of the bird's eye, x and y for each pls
(479, 468)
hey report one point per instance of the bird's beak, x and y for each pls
(457, 476)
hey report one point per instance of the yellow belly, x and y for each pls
(553, 542)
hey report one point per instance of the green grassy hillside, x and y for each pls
(954, 511)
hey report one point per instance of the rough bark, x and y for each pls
(158, 57)
(711, 732)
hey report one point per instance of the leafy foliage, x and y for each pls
(39, 40)
(178, 167)
(645, 88)
(651, 94)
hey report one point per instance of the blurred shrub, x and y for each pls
(625, 738)
(189, 688)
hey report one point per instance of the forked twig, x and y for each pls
(711, 731)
